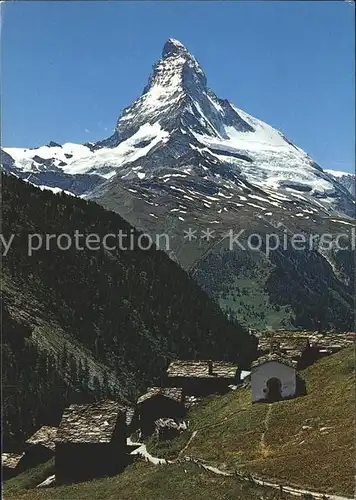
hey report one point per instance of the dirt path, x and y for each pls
(266, 422)
(188, 444)
(261, 482)
(142, 452)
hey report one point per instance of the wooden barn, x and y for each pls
(41, 446)
(201, 378)
(157, 403)
(90, 442)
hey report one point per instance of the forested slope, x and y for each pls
(110, 319)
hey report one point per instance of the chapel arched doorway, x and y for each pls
(274, 389)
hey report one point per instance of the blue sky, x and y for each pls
(69, 68)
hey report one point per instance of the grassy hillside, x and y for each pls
(307, 441)
(142, 481)
(110, 320)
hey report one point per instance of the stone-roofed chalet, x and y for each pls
(12, 464)
(201, 378)
(304, 346)
(174, 393)
(158, 403)
(296, 348)
(91, 441)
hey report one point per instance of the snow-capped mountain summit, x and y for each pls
(173, 47)
(177, 98)
(179, 129)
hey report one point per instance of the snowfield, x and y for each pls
(79, 159)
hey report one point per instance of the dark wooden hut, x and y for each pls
(159, 402)
(90, 442)
(201, 378)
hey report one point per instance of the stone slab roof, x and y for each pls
(174, 393)
(200, 369)
(277, 358)
(294, 343)
(11, 460)
(333, 341)
(285, 342)
(45, 436)
(90, 423)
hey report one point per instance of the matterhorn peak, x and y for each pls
(173, 47)
(177, 98)
(185, 143)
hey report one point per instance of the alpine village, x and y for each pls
(190, 372)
